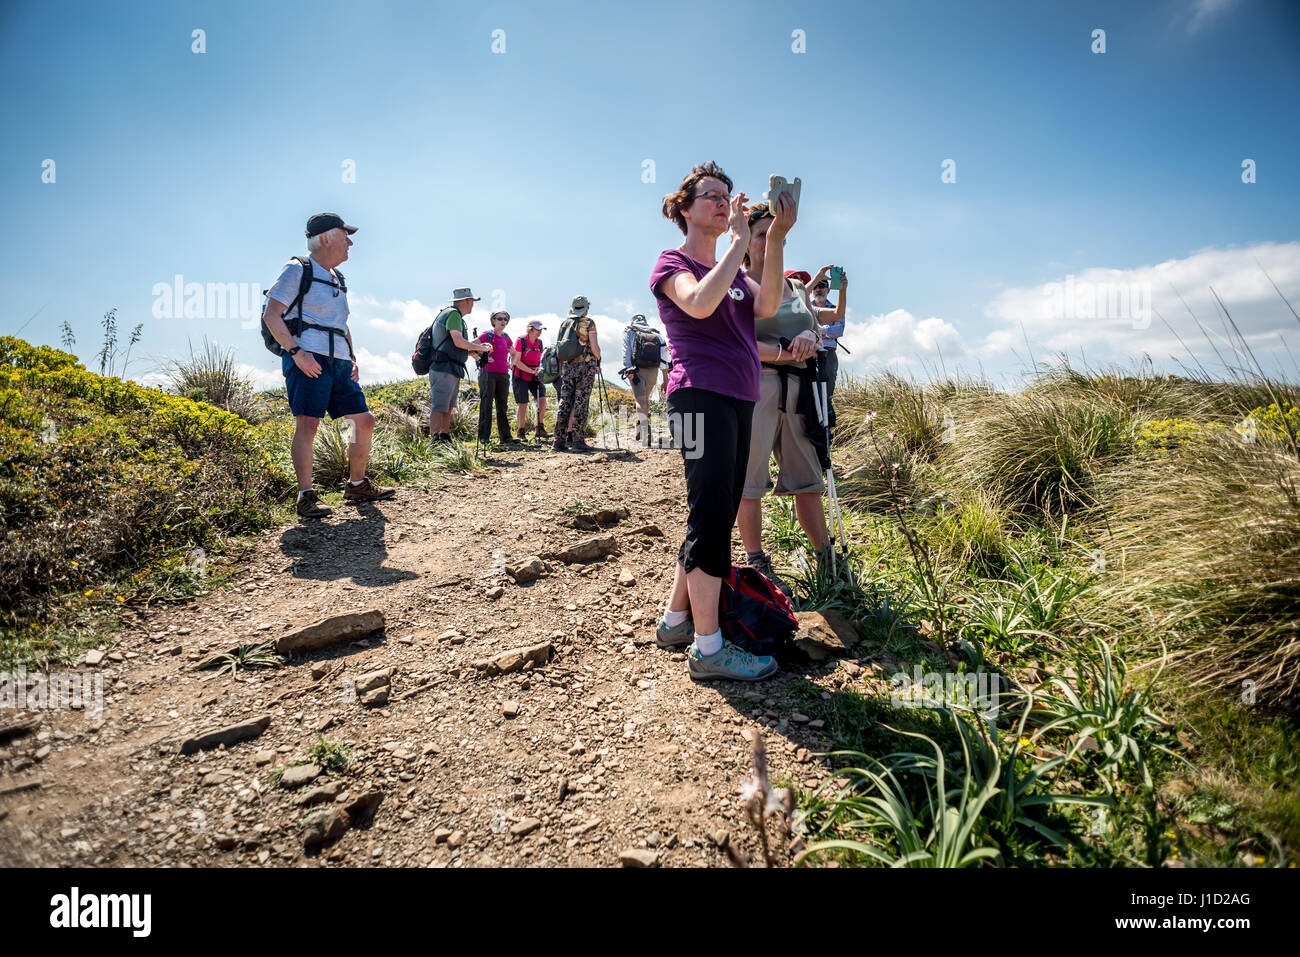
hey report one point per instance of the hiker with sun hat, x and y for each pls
(451, 349)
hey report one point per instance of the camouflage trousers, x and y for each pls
(576, 381)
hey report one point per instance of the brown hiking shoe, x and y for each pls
(309, 505)
(367, 491)
(577, 443)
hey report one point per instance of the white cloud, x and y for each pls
(388, 367)
(404, 317)
(1117, 313)
(1205, 10)
(898, 339)
(261, 378)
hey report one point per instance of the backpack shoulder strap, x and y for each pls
(343, 285)
(304, 283)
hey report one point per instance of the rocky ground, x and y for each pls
(597, 751)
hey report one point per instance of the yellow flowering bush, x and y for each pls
(100, 477)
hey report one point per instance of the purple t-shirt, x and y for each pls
(499, 361)
(718, 353)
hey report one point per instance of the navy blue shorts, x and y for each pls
(332, 391)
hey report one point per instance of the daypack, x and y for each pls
(526, 352)
(438, 353)
(298, 324)
(754, 614)
(422, 357)
(645, 348)
(567, 345)
(549, 370)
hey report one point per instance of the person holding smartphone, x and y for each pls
(832, 320)
(787, 342)
(708, 306)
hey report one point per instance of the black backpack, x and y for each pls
(426, 355)
(298, 324)
(645, 348)
(422, 357)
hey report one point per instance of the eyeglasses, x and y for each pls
(713, 197)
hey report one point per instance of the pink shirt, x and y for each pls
(500, 359)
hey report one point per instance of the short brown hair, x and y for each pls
(674, 203)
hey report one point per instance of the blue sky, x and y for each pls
(521, 172)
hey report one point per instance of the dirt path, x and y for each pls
(646, 759)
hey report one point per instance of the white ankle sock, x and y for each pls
(674, 618)
(709, 644)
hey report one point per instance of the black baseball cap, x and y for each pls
(324, 222)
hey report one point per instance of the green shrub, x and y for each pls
(102, 477)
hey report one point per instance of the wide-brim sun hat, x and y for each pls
(579, 306)
(463, 292)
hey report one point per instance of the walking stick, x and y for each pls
(832, 497)
(607, 403)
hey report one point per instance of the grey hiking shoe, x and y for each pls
(763, 565)
(730, 663)
(309, 505)
(683, 634)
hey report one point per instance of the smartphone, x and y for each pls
(776, 185)
(837, 277)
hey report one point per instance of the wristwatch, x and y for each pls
(294, 351)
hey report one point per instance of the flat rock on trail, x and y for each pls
(606, 749)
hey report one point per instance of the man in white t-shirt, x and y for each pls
(318, 361)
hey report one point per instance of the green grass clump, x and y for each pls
(332, 756)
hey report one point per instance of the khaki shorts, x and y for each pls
(444, 387)
(781, 434)
(645, 382)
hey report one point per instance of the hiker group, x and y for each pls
(749, 360)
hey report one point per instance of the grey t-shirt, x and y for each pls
(323, 304)
(792, 317)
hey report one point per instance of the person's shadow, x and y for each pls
(353, 548)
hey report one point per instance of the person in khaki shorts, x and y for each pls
(778, 429)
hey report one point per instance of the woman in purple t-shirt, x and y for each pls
(708, 306)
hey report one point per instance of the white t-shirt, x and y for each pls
(323, 304)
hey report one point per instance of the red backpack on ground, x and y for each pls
(754, 614)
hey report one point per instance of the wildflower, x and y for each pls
(120, 598)
(89, 592)
(1025, 743)
(749, 790)
(773, 805)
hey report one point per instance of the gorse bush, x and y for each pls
(101, 476)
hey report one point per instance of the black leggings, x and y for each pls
(493, 388)
(713, 430)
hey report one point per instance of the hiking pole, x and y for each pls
(610, 405)
(832, 497)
